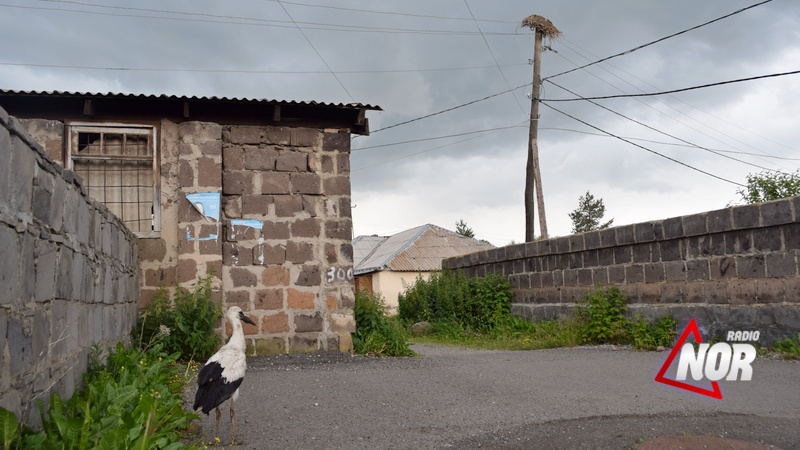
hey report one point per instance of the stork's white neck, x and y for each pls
(237, 337)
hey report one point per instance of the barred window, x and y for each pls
(119, 167)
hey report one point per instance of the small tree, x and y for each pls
(589, 214)
(464, 230)
(768, 185)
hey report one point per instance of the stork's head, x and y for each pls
(235, 313)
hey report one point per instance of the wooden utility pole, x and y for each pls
(533, 176)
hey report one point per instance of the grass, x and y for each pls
(512, 333)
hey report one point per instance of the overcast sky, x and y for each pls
(418, 57)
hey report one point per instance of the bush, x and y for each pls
(375, 331)
(476, 304)
(603, 320)
(603, 317)
(133, 400)
(184, 324)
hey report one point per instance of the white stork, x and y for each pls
(220, 377)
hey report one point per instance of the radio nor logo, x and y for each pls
(723, 360)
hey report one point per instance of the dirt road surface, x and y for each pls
(571, 398)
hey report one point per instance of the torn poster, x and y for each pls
(207, 203)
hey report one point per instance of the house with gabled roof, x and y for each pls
(387, 264)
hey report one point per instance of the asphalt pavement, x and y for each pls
(570, 398)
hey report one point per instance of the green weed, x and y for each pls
(789, 348)
(183, 324)
(132, 401)
(376, 332)
(477, 304)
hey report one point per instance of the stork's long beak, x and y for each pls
(244, 318)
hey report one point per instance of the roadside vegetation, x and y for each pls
(475, 312)
(132, 394)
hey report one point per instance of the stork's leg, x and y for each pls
(233, 423)
(216, 428)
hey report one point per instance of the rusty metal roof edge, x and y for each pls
(192, 98)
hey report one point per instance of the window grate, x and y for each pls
(119, 169)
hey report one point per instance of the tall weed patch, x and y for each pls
(476, 304)
(131, 401)
(183, 323)
(377, 333)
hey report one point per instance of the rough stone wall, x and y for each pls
(281, 249)
(68, 272)
(735, 268)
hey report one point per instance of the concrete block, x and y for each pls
(22, 166)
(277, 136)
(339, 185)
(45, 273)
(778, 212)
(767, 239)
(693, 225)
(305, 183)
(310, 275)
(20, 344)
(750, 266)
(305, 137)
(308, 323)
(9, 263)
(41, 335)
(781, 264)
(338, 229)
(746, 216)
(260, 158)
(672, 228)
(237, 183)
(336, 142)
(291, 161)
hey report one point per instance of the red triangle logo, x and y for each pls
(690, 329)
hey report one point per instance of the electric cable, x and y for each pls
(659, 40)
(643, 147)
(652, 94)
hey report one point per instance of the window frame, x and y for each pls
(74, 129)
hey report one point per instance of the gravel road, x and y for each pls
(571, 398)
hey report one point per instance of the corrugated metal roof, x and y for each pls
(363, 246)
(419, 249)
(192, 98)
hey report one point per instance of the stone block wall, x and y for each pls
(68, 273)
(281, 247)
(735, 268)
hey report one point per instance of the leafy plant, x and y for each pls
(375, 331)
(789, 347)
(603, 317)
(132, 401)
(183, 324)
(477, 304)
(649, 336)
(9, 428)
(770, 185)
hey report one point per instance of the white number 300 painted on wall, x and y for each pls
(339, 274)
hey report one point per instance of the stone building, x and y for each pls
(254, 192)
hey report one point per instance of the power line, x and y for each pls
(662, 132)
(658, 40)
(643, 147)
(393, 13)
(648, 105)
(675, 144)
(451, 109)
(508, 85)
(316, 51)
(279, 72)
(720, 83)
(434, 138)
(232, 20)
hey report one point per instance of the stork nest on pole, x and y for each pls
(541, 25)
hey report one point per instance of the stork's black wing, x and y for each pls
(212, 389)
